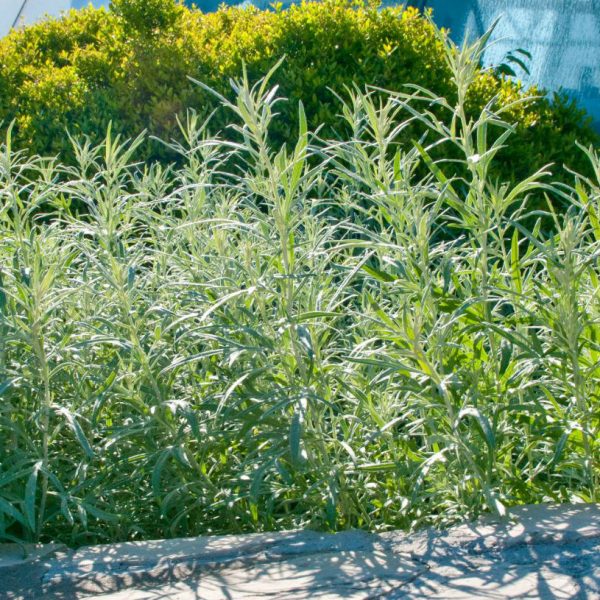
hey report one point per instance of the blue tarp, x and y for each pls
(563, 37)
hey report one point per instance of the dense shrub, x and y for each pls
(213, 351)
(130, 66)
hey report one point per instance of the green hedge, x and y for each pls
(130, 66)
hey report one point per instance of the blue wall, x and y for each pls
(563, 37)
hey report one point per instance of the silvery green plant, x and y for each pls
(339, 334)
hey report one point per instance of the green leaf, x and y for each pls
(77, 430)
(295, 437)
(379, 275)
(515, 263)
(98, 513)
(11, 511)
(31, 497)
(484, 425)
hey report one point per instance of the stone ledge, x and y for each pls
(541, 551)
(526, 525)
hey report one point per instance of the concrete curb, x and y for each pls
(525, 525)
(551, 550)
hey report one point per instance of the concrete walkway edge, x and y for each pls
(540, 551)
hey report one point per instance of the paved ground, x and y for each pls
(543, 552)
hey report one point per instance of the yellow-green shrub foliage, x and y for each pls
(130, 66)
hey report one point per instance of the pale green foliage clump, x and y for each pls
(319, 337)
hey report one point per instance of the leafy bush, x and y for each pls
(130, 66)
(210, 351)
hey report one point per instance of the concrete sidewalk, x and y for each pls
(542, 552)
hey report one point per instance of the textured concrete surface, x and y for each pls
(540, 552)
